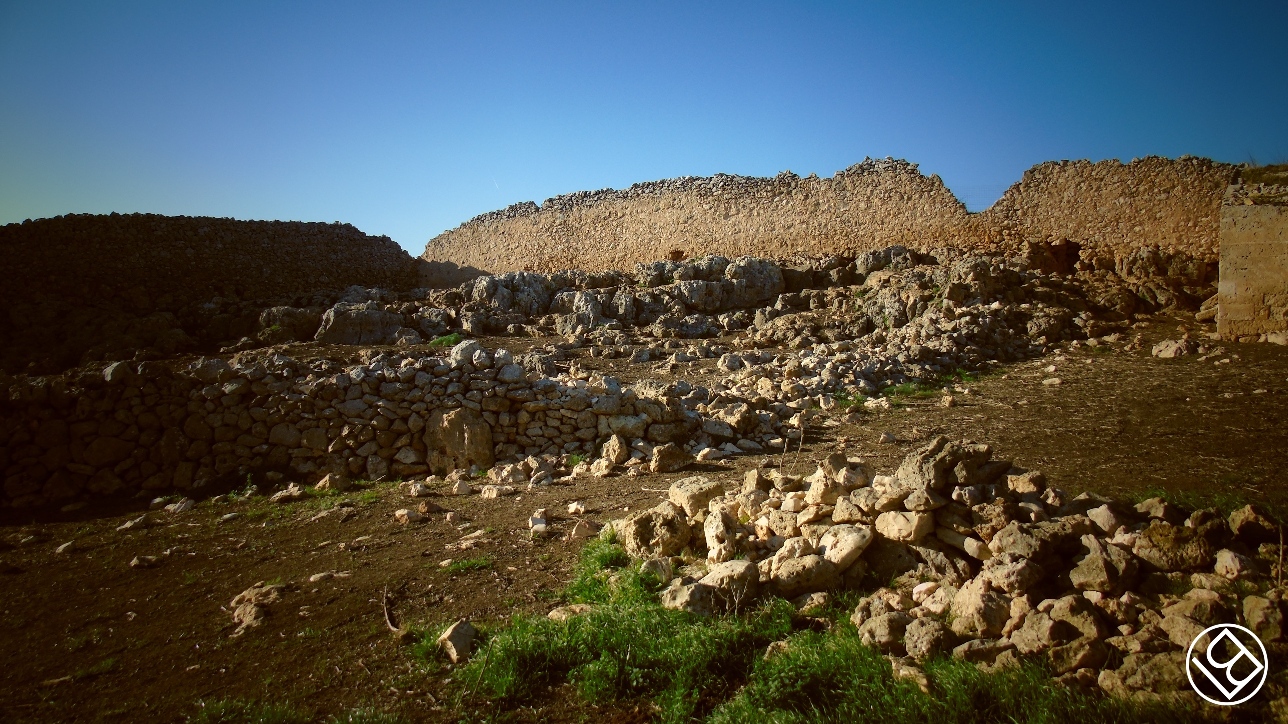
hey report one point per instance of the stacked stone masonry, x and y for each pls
(1109, 209)
(1253, 291)
(164, 262)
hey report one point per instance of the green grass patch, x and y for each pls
(574, 460)
(626, 651)
(833, 677)
(447, 340)
(465, 565)
(241, 711)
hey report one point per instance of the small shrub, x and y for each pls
(575, 460)
(448, 340)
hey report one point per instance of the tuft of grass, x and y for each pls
(599, 558)
(241, 711)
(845, 400)
(477, 563)
(574, 460)
(1270, 174)
(447, 340)
(365, 715)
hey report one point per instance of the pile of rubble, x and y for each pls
(976, 559)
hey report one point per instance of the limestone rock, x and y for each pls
(1252, 526)
(457, 439)
(926, 637)
(885, 632)
(693, 494)
(458, 641)
(979, 611)
(670, 458)
(360, 323)
(844, 544)
(661, 531)
(905, 527)
(1170, 547)
(804, 575)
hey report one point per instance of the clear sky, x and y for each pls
(406, 119)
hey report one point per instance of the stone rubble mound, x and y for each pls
(972, 558)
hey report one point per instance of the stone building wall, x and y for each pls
(1253, 288)
(1108, 208)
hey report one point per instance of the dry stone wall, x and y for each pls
(162, 428)
(164, 262)
(1109, 209)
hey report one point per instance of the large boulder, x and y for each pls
(661, 531)
(751, 282)
(1170, 547)
(363, 323)
(979, 611)
(457, 439)
(693, 494)
(289, 324)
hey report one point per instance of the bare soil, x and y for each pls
(86, 637)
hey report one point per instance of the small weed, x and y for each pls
(478, 563)
(92, 637)
(102, 667)
(240, 711)
(574, 460)
(189, 577)
(363, 715)
(449, 340)
(367, 497)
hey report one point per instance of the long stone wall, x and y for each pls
(149, 262)
(1110, 209)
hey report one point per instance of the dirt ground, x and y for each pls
(86, 637)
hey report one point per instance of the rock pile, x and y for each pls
(974, 558)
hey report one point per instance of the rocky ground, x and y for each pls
(120, 613)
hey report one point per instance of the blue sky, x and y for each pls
(406, 119)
